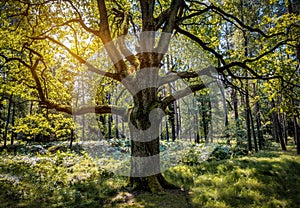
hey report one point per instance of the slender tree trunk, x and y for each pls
(167, 131)
(236, 117)
(13, 123)
(253, 132)
(179, 130)
(7, 120)
(172, 121)
(284, 128)
(210, 122)
(248, 119)
(226, 122)
(196, 124)
(117, 135)
(204, 120)
(296, 134)
(277, 126)
(176, 119)
(71, 139)
(258, 121)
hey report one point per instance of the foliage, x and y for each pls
(220, 153)
(64, 178)
(45, 124)
(54, 179)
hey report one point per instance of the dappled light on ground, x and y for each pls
(73, 179)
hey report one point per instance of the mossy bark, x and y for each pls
(144, 125)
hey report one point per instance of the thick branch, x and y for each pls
(147, 8)
(106, 39)
(174, 76)
(181, 93)
(100, 109)
(175, 11)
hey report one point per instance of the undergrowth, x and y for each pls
(64, 178)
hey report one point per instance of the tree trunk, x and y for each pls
(236, 117)
(172, 120)
(253, 132)
(13, 123)
(296, 134)
(277, 126)
(144, 123)
(226, 122)
(248, 119)
(284, 128)
(204, 120)
(196, 125)
(167, 131)
(71, 139)
(7, 121)
(258, 121)
(176, 119)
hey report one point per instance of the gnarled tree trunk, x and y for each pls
(144, 123)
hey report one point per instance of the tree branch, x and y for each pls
(105, 36)
(242, 64)
(174, 76)
(99, 109)
(181, 93)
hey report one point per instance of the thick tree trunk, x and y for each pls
(144, 123)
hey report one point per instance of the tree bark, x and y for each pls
(13, 123)
(296, 134)
(226, 122)
(277, 127)
(7, 120)
(248, 119)
(144, 123)
(258, 121)
(253, 132)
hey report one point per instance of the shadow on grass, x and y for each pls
(262, 180)
(58, 180)
(266, 179)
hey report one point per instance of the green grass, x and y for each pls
(270, 178)
(265, 179)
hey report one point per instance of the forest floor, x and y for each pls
(269, 178)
